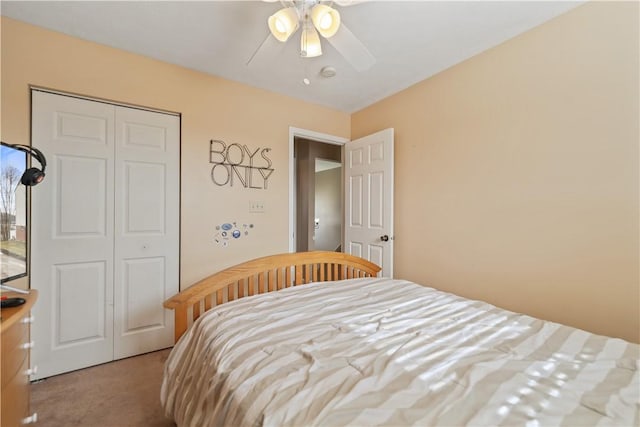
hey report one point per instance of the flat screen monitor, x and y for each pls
(13, 214)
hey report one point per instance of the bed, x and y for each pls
(254, 347)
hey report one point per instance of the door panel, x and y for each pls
(143, 134)
(146, 229)
(355, 249)
(78, 323)
(376, 254)
(376, 201)
(144, 196)
(356, 156)
(86, 176)
(78, 127)
(142, 294)
(72, 234)
(369, 199)
(356, 202)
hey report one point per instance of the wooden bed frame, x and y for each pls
(262, 275)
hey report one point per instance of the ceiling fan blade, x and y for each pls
(348, 2)
(265, 51)
(352, 49)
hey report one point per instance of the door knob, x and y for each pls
(384, 238)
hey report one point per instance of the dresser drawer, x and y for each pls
(15, 345)
(15, 398)
(14, 352)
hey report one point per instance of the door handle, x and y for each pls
(384, 238)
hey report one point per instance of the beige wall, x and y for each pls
(211, 108)
(526, 156)
(517, 172)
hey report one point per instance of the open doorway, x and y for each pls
(322, 139)
(368, 165)
(327, 221)
(318, 195)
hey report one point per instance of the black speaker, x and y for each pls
(32, 176)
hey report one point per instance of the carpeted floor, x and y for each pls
(117, 394)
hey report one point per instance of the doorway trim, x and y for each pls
(314, 136)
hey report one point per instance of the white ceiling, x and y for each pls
(411, 40)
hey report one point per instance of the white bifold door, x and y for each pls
(104, 233)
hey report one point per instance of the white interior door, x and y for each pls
(369, 199)
(147, 205)
(105, 231)
(72, 234)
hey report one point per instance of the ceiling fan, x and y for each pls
(317, 18)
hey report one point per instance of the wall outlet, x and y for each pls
(256, 206)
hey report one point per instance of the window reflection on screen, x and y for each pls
(13, 214)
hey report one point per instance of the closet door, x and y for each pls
(147, 204)
(72, 234)
(105, 231)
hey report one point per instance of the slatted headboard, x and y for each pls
(263, 275)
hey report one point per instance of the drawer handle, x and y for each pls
(30, 419)
(27, 345)
(29, 319)
(31, 371)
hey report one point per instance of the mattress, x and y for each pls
(390, 352)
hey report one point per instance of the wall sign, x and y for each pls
(235, 163)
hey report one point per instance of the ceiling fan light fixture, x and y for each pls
(326, 19)
(310, 42)
(283, 23)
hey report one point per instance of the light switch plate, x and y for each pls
(256, 206)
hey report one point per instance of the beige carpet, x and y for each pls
(121, 393)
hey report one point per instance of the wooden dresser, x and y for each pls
(15, 374)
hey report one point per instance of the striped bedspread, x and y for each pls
(389, 352)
